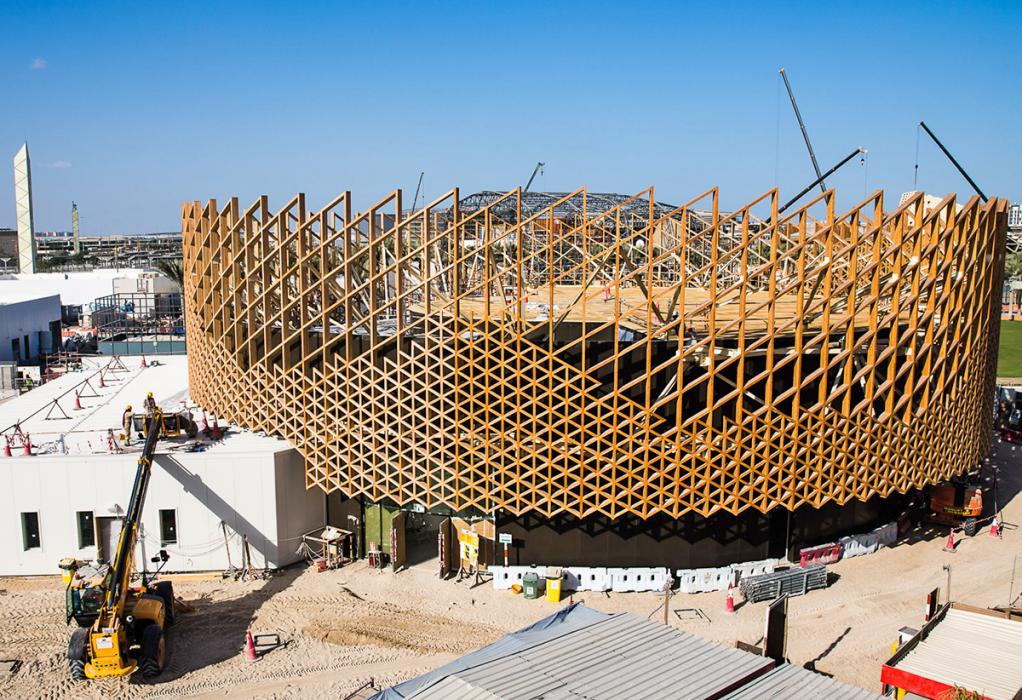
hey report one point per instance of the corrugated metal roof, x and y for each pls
(623, 656)
(789, 681)
(582, 654)
(982, 653)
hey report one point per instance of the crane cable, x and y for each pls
(915, 175)
(777, 134)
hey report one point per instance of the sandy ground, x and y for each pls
(343, 628)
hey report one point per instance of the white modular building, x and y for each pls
(210, 504)
(28, 327)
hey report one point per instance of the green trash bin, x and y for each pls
(530, 585)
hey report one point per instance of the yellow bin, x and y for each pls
(553, 585)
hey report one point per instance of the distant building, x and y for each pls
(8, 250)
(1014, 228)
(23, 204)
(28, 328)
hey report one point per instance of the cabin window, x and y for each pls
(86, 529)
(30, 530)
(168, 527)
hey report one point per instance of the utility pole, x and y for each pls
(805, 134)
(947, 568)
(667, 600)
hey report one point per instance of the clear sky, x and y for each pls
(132, 110)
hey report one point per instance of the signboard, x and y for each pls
(504, 538)
(469, 549)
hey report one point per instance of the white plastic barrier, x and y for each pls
(659, 577)
(594, 578)
(506, 576)
(501, 577)
(869, 542)
(886, 535)
(638, 578)
(573, 577)
(857, 545)
(622, 580)
(717, 579)
(752, 568)
(703, 580)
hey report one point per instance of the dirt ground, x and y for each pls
(342, 628)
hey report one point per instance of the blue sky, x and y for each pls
(131, 110)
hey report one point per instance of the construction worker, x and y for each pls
(150, 404)
(126, 424)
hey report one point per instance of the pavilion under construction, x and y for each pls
(567, 357)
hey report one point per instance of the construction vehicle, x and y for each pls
(121, 627)
(958, 503)
(1008, 415)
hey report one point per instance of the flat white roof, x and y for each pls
(47, 412)
(73, 287)
(981, 653)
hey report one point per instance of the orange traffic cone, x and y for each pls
(729, 606)
(216, 434)
(102, 384)
(143, 365)
(78, 402)
(995, 528)
(28, 446)
(7, 447)
(950, 546)
(250, 654)
(205, 424)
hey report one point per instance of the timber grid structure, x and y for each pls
(584, 353)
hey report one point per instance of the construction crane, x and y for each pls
(418, 188)
(952, 159)
(537, 169)
(818, 180)
(120, 627)
(805, 134)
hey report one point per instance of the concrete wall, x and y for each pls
(246, 490)
(31, 318)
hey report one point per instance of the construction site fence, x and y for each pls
(588, 578)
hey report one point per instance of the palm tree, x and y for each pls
(172, 269)
(1013, 266)
(1013, 271)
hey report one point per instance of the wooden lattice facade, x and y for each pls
(603, 355)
